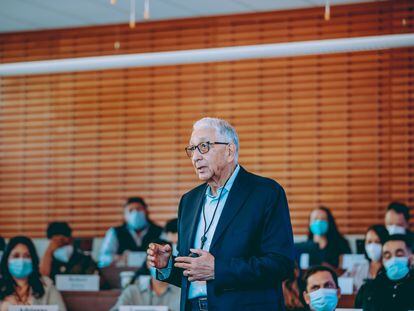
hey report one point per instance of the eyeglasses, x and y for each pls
(203, 147)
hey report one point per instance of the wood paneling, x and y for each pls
(335, 129)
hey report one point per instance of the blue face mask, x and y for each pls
(324, 299)
(396, 268)
(319, 227)
(137, 220)
(20, 268)
(63, 253)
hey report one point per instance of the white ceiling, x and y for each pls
(25, 15)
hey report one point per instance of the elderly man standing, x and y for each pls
(235, 242)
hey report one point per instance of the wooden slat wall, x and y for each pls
(333, 129)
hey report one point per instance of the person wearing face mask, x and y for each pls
(393, 288)
(21, 282)
(324, 232)
(150, 292)
(397, 221)
(134, 234)
(62, 257)
(375, 237)
(321, 290)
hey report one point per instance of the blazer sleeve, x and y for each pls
(274, 261)
(175, 274)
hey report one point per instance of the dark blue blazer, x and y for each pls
(252, 245)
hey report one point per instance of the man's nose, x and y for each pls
(196, 155)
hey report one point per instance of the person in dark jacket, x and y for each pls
(393, 288)
(62, 257)
(324, 232)
(397, 221)
(134, 235)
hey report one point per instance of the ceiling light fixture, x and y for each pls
(327, 10)
(132, 6)
(131, 13)
(146, 10)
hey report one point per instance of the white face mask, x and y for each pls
(374, 251)
(394, 229)
(63, 253)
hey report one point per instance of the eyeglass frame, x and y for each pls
(193, 148)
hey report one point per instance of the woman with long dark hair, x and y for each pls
(324, 232)
(375, 237)
(21, 282)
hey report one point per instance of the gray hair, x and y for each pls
(224, 130)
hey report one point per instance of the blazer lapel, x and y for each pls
(238, 194)
(194, 216)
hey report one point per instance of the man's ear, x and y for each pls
(231, 152)
(338, 293)
(306, 297)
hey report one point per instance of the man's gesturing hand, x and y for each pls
(158, 255)
(197, 268)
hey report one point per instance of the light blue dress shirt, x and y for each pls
(110, 245)
(199, 288)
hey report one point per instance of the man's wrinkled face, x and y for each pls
(211, 164)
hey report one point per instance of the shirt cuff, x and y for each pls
(163, 274)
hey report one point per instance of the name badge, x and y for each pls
(77, 282)
(136, 259)
(34, 308)
(143, 308)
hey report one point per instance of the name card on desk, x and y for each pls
(346, 285)
(34, 308)
(143, 308)
(77, 282)
(136, 259)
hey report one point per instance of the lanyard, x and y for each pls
(207, 228)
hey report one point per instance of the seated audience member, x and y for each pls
(324, 232)
(397, 221)
(393, 288)
(375, 237)
(134, 234)
(292, 293)
(321, 290)
(61, 257)
(171, 234)
(149, 291)
(21, 282)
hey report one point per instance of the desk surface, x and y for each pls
(91, 301)
(106, 299)
(346, 301)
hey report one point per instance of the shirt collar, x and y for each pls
(229, 184)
